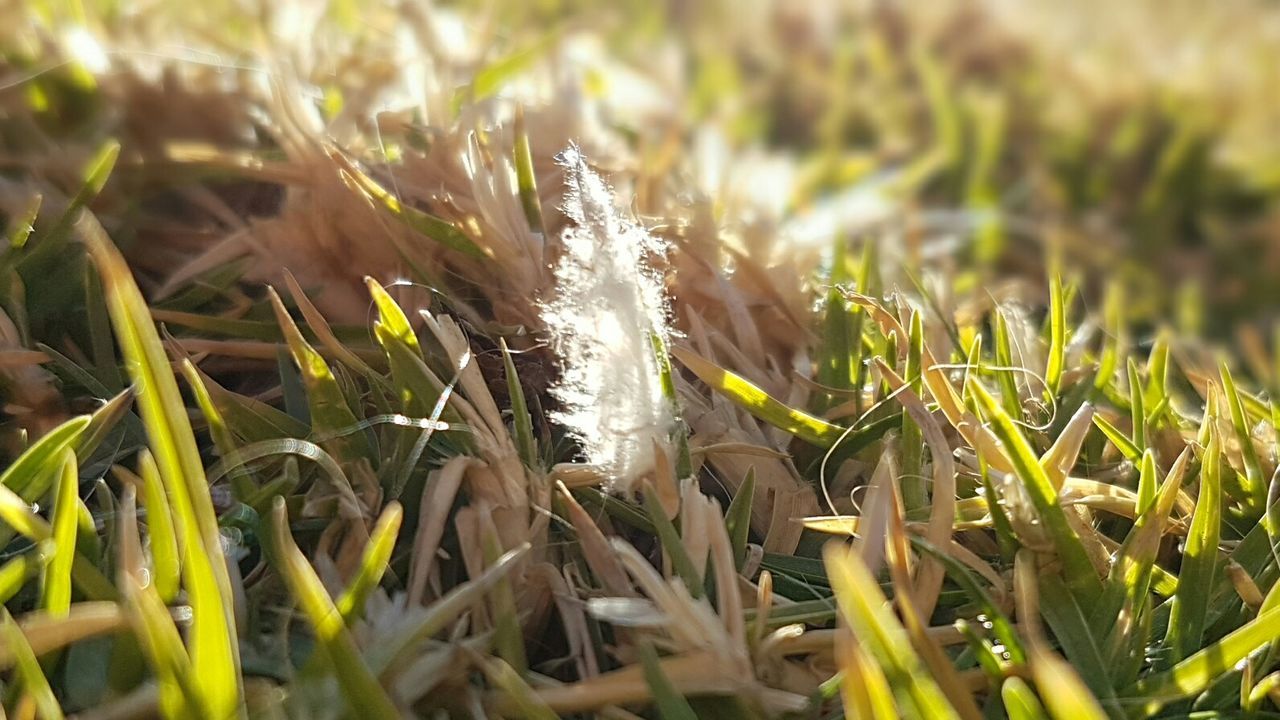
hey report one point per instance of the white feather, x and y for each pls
(609, 301)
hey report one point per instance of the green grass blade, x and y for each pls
(361, 688)
(162, 646)
(1071, 628)
(249, 419)
(839, 356)
(1146, 483)
(17, 514)
(1197, 578)
(95, 175)
(868, 613)
(1254, 480)
(508, 636)
(1133, 568)
(330, 415)
(526, 702)
(373, 564)
(20, 225)
(520, 418)
(1077, 570)
(1157, 376)
(32, 677)
(1065, 695)
(1122, 442)
(154, 629)
(914, 488)
(670, 539)
(420, 389)
(1006, 376)
(165, 559)
(386, 661)
(325, 335)
(1001, 626)
(1057, 335)
(1020, 701)
(737, 519)
(670, 704)
(526, 179)
(15, 573)
(1198, 671)
(57, 576)
(441, 231)
(223, 439)
(214, 651)
(35, 467)
(391, 318)
(807, 427)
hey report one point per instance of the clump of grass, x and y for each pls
(492, 449)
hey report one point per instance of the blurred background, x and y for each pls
(1138, 141)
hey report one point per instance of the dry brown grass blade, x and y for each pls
(46, 633)
(930, 574)
(664, 482)
(316, 321)
(916, 621)
(433, 518)
(934, 376)
(595, 548)
(694, 673)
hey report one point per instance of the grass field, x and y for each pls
(640, 360)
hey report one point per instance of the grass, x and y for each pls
(886, 363)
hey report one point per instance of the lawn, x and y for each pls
(640, 359)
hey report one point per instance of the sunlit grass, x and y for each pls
(886, 362)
